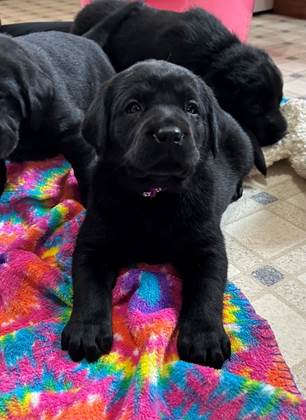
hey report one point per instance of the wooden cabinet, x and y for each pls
(294, 8)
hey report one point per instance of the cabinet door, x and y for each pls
(294, 8)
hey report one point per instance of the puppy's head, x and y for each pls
(22, 88)
(151, 124)
(249, 85)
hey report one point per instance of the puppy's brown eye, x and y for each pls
(192, 108)
(133, 107)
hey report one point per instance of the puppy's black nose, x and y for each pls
(169, 134)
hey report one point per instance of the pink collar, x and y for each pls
(152, 192)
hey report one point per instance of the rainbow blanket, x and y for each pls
(142, 377)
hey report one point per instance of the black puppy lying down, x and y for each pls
(170, 161)
(47, 81)
(244, 79)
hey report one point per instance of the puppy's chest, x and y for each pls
(154, 228)
(147, 237)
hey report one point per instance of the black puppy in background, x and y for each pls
(170, 160)
(47, 81)
(244, 79)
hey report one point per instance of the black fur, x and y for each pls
(157, 125)
(245, 80)
(47, 81)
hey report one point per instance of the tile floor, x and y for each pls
(285, 40)
(266, 230)
(14, 11)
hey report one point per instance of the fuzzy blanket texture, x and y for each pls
(293, 145)
(142, 377)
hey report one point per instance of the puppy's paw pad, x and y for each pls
(204, 347)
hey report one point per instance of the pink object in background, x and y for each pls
(236, 15)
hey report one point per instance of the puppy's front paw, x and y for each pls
(204, 346)
(87, 340)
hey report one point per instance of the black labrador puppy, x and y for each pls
(170, 161)
(244, 79)
(47, 82)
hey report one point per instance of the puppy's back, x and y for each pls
(190, 38)
(76, 65)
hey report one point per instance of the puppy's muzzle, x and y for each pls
(273, 129)
(164, 146)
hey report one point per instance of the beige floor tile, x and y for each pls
(294, 293)
(277, 173)
(299, 200)
(249, 287)
(284, 71)
(236, 211)
(265, 233)
(288, 78)
(299, 373)
(14, 11)
(287, 189)
(260, 42)
(232, 271)
(284, 322)
(246, 205)
(277, 53)
(289, 94)
(302, 59)
(292, 214)
(298, 86)
(302, 278)
(293, 262)
(295, 67)
(242, 258)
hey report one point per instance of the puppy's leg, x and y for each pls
(82, 158)
(2, 176)
(89, 331)
(202, 338)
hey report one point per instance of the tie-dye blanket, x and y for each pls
(142, 377)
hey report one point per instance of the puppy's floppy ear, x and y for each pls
(259, 158)
(213, 116)
(38, 91)
(96, 123)
(214, 129)
(41, 96)
(101, 32)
